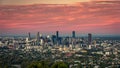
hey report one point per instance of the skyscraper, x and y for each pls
(73, 34)
(38, 36)
(29, 36)
(57, 34)
(89, 39)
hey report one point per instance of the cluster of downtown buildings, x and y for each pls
(57, 40)
(84, 51)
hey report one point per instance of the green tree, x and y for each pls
(59, 65)
(44, 64)
(34, 65)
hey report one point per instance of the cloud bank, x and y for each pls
(99, 17)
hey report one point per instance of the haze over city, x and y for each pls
(99, 17)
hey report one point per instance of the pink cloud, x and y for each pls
(84, 17)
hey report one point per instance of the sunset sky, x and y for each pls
(18, 17)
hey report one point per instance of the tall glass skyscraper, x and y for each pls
(89, 38)
(73, 34)
(57, 34)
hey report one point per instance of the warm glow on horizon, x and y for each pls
(26, 2)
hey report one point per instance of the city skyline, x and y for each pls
(83, 16)
(58, 34)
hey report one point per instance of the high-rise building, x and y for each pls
(89, 38)
(57, 34)
(54, 39)
(38, 36)
(73, 34)
(29, 36)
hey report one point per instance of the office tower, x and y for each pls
(73, 34)
(94, 43)
(57, 34)
(54, 39)
(89, 38)
(29, 36)
(38, 36)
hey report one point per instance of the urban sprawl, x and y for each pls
(70, 52)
